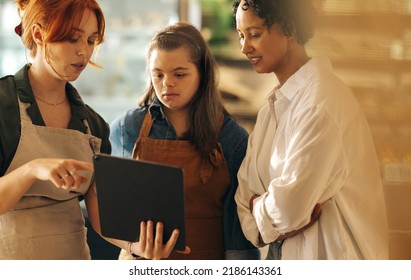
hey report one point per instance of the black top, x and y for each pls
(10, 126)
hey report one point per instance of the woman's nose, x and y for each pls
(245, 46)
(84, 50)
(168, 82)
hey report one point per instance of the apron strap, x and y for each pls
(146, 126)
(144, 131)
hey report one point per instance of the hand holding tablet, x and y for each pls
(133, 191)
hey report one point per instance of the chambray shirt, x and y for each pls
(233, 138)
(312, 144)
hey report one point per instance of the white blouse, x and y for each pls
(311, 144)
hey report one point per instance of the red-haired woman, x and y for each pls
(48, 135)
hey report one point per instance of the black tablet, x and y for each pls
(130, 191)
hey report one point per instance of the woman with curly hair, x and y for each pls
(311, 145)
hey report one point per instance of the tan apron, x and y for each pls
(47, 223)
(205, 186)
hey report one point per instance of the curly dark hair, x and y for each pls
(293, 16)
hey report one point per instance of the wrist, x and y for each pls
(129, 249)
(30, 171)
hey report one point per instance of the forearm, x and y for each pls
(247, 220)
(268, 236)
(268, 232)
(62, 173)
(14, 185)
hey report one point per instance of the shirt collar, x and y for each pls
(156, 110)
(25, 92)
(78, 108)
(303, 75)
(23, 86)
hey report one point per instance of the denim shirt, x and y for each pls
(233, 138)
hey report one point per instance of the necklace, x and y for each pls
(51, 104)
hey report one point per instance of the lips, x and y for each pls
(169, 95)
(79, 66)
(254, 59)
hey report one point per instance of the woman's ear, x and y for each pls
(37, 34)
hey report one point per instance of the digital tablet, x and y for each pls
(130, 191)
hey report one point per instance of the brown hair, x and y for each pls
(206, 109)
(58, 18)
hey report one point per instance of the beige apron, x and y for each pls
(47, 222)
(205, 185)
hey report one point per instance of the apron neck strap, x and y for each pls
(146, 126)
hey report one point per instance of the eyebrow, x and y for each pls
(248, 29)
(82, 31)
(176, 69)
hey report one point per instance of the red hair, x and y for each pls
(58, 18)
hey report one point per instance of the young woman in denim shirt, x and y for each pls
(181, 121)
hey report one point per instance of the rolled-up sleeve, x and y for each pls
(250, 180)
(301, 168)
